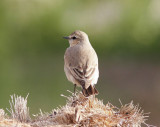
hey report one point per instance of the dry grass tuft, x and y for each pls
(18, 108)
(132, 115)
(79, 111)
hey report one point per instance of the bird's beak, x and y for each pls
(66, 38)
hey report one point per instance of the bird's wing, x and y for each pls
(84, 76)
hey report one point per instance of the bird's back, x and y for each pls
(81, 55)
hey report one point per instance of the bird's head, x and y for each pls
(77, 37)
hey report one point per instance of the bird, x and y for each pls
(81, 63)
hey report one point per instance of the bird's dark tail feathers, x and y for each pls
(91, 90)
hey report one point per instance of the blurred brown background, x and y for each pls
(125, 35)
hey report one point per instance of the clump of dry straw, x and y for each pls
(79, 111)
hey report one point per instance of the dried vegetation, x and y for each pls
(78, 112)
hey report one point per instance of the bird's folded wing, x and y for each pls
(83, 74)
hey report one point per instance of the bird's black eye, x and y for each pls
(74, 37)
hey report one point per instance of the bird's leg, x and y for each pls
(75, 89)
(74, 96)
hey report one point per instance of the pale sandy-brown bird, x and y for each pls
(81, 63)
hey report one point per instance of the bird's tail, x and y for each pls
(91, 90)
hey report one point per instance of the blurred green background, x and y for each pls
(125, 35)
